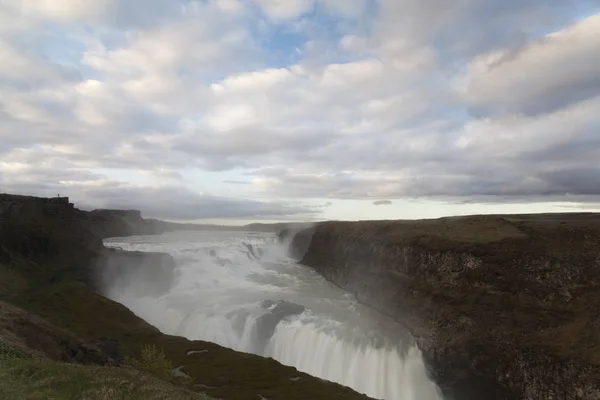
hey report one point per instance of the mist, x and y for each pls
(245, 292)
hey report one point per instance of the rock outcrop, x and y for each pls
(102, 223)
(13, 205)
(276, 312)
(502, 307)
(107, 223)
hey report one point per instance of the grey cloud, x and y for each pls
(580, 181)
(465, 28)
(540, 77)
(91, 190)
(592, 207)
(237, 182)
(248, 146)
(48, 171)
(167, 202)
(166, 174)
(179, 203)
(516, 177)
(382, 202)
(144, 13)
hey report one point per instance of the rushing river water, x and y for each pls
(221, 284)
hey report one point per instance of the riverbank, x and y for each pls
(51, 255)
(502, 307)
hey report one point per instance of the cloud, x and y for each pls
(382, 202)
(283, 9)
(172, 202)
(178, 203)
(237, 182)
(68, 10)
(471, 27)
(304, 100)
(130, 14)
(348, 8)
(545, 75)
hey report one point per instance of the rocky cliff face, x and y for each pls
(112, 223)
(102, 223)
(17, 205)
(501, 307)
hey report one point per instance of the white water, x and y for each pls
(217, 293)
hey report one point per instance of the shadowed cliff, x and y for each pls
(503, 307)
(52, 260)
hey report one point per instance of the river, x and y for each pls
(225, 281)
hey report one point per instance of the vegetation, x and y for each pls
(153, 360)
(23, 377)
(10, 353)
(220, 372)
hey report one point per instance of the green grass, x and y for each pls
(222, 372)
(153, 360)
(10, 353)
(11, 281)
(24, 378)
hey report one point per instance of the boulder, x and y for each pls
(266, 324)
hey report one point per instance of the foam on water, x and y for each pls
(221, 281)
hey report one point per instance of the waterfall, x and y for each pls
(240, 291)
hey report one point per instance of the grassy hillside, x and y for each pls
(41, 361)
(25, 377)
(47, 263)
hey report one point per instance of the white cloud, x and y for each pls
(557, 69)
(284, 9)
(68, 10)
(256, 80)
(327, 98)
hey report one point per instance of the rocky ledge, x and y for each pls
(502, 307)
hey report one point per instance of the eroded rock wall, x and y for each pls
(18, 205)
(502, 308)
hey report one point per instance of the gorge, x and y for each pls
(479, 307)
(502, 307)
(53, 268)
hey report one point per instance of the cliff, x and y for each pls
(502, 307)
(102, 223)
(118, 223)
(52, 262)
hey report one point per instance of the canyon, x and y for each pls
(52, 308)
(502, 307)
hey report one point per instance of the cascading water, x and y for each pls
(240, 290)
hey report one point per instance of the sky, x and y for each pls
(235, 111)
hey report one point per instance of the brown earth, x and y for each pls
(502, 307)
